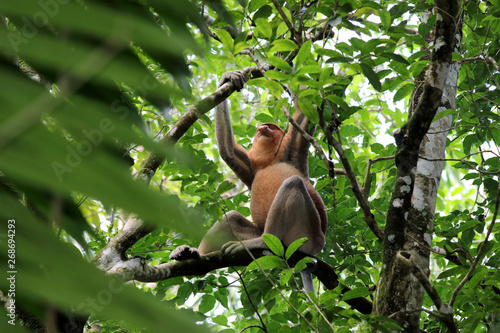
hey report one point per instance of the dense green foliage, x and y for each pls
(83, 81)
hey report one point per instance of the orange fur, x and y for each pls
(270, 173)
(265, 185)
(265, 143)
(283, 203)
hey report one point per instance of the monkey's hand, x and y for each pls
(236, 77)
(184, 252)
(234, 247)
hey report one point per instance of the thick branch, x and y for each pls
(149, 166)
(137, 269)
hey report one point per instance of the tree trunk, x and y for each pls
(407, 241)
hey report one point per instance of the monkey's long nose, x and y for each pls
(265, 130)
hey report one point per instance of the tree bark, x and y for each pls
(421, 150)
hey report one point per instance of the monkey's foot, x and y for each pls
(237, 246)
(184, 252)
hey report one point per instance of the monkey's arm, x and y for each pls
(297, 148)
(235, 156)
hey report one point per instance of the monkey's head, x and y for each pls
(268, 132)
(265, 144)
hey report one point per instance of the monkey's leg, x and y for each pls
(232, 227)
(292, 215)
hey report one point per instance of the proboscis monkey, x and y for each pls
(283, 201)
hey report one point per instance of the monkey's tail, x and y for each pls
(307, 280)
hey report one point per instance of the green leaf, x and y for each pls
(304, 55)
(264, 118)
(207, 303)
(385, 17)
(274, 244)
(294, 247)
(221, 320)
(226, 39)
(255, 4)
(468, 142)
(395, 57)
(276, 75)
(263, 26)
(340, 59)
(302, 264)
(266, 263)
(280, 63)
(283, 45)
(371, 76)
(443, 114)
(285, 276)
(225, 186)
(307, 107)
(402, 92)
(309, 69)
(282, 29)
(455, 271)
(417, 67)
(338, 100)
(238, 47)
(355, 293)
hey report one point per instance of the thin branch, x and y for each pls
(306, 294)
(356, 188)
(323, 32)
(480, 252)
(368, 173)
(289, 24)
(445, 312)
(463, 161)
(465, 253)
(439, 251)
(264, 327)
(254, 259)
(253, 326)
